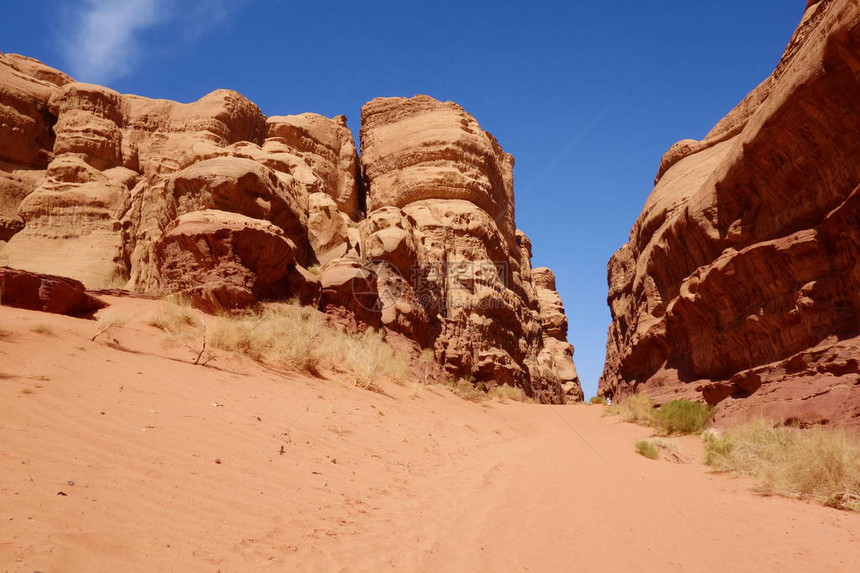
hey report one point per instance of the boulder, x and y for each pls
(348, 284)
(224, 261)
(46, 293)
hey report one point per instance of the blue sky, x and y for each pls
(535, 74)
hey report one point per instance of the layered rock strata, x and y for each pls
(441, 226)
(215, 201)
(740, 283)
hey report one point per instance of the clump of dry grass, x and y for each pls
(108, 321)
(182, 325)
(467, 389)
(367, 355)
(637, 408)
(651, 447)
(647, 449)
(43, 328)
(503, 393)
(817, 463)
(175, 316)
(300, 338)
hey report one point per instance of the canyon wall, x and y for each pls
(217, 202)
(740, 282)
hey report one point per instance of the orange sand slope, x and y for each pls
(163, 466)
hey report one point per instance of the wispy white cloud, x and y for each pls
(203, 15)
(106, 39)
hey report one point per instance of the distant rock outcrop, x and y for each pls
(741, 279)
(215, 201)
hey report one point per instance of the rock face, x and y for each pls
(46, 293)
(441, 233)
(741, 279)
(224, 260)
(557, 353)
(215, 201)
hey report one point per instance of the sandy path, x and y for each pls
(559, 507)
(414, 480)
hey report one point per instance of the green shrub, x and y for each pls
(682, 417)
(597, 400)
(647, 449)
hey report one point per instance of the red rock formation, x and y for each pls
(224, 260)
(213, 200)
(741, 275)
(557, 353)
(441, 220)
(46, 293)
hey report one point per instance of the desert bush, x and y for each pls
(503, 393)
(682, 417)
(174, 316)
(597, 400)
(43, 328)
(637, 408)
(301, 339)
(647, 449)
(816, 463)
(467, 389)
(108, 321)
(651, 447)
(369, 355)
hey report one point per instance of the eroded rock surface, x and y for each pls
(224, 260)
(46, 293)
(441, 225)
(742, 274)
(215, 201)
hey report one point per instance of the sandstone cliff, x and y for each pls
(215, 201)
(441, 221)
(740, 282)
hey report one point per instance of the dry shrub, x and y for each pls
(300, 338)
(817, 463)
(503, 393)
(43, 328)
(651, 447)
(647, 449)
(367, 355)
(107, 321)
(175, 316)
(467, 389)
(637, 408)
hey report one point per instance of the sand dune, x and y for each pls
(120, 455)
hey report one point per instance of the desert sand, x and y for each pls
(121, 455)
